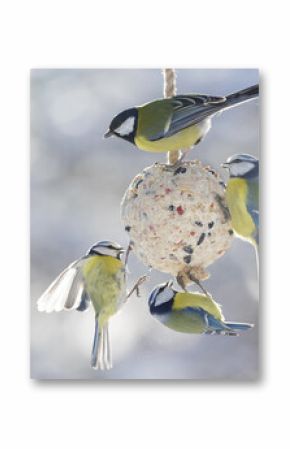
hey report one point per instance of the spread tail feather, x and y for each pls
(101, 357)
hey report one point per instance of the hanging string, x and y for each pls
(169, 91)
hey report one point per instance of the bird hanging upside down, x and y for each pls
(192, 313)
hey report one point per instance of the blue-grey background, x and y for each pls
(77, 182)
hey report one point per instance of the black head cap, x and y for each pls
(124, 125)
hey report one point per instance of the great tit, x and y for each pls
(242, 197)
(176, 123)
(192, 313)
(98, 277)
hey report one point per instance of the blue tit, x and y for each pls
(176, 123)
(242, 197)
(192, 313)
(99, 277)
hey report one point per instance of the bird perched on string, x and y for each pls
(176, 123)
(98, 277)
(242, 197)
(191, 313)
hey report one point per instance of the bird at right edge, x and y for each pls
(242, 197)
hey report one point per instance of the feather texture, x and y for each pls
(66, 292)
(192, 109)
(55, 296)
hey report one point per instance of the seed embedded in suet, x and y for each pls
(188, 249)
(201, 239)
(180, 170)
(187, 259)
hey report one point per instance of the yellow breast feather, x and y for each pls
(236, 196)
(196, 300)
(181, 140)
(110, 264)
(148, 126)
(104, 279)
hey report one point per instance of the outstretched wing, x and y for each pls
(188, 110)
(66, 292)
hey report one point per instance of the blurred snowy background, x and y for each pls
(77, 182)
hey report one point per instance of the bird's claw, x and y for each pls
(136, 287)
(197, 282)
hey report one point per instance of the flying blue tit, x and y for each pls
(176, 123)
(98, 277)
(242, 197)
(192, 313)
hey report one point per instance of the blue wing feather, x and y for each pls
(211, 324)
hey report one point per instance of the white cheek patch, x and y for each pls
(163, 297)
(241, 168)
(127, 127)
(107, 251)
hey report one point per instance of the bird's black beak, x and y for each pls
(109, 133)
(225, 165)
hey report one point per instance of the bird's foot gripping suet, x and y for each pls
(182, 280)
(101, 353)
(197, 282)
